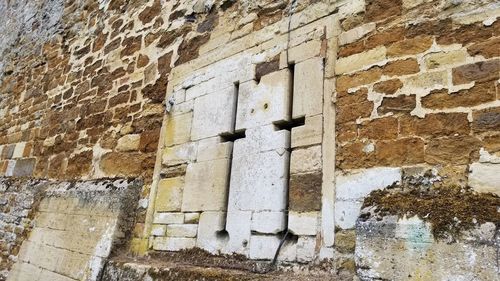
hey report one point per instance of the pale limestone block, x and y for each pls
(191, 218)
(205, 186)
(179, 154)
(73, 265)
(308, 88)
(178, 129)
(426, 81)
(351, 7)
(266, 102)
(238, 227)
(263, 247)
(306, 160)
(358, 184)
(437, 60)
(182, 230)
(306, 248)
(302, 52)
(268, 222)
(288, 252)
(182, 108)
(303, 223)
(485, 177)
(213, 114)
(309, 134)
(213, 149)
(19, 150)
(158, 230)
(356, 33)
(360, 61)
(52, 276)
(128, 142)
(210, 226)
(173, 243)
(168, 218)
(22, 271)
(169, 195)
(346, 213)
(261, 139)
(259, 181)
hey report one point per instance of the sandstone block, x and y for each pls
(213, 114)
(169, 195)
(309, 134)
(168, 218)
(401, 67)
(479, 72)
(206, 186)
(173, 243)
(360, 61)
(178, 129)
(128, 143)
(304, 193)
(308, 88)
(411, 46)
(371, 75)
(23, 167)
(303, 223)
(182, 230)
(382, 128)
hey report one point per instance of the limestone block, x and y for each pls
(182, 230)
(485, 177)
(355, 33)
(213, 114)
(306, 160)
(179, 154)
(309, 134)
(128, 142)
(178, 129)
(168, 218)
(212, 149)
(158, 230)
(19, 150)
(49, 275)
(266, 102)
(259, 139)
(173, 243)
(306, 248)
(346, 213)
(263, 247)
(268, 222)
(22, 271)
(288, 252)
(210, 226)
(436, 60)
(427, 81)
(169, 195)
(191, 218)
(303, 223)
(71, 264)
(238, 227)
(360, 61)
(205, 186)
(21, 167)
(301, 52)
(358, 184)
(308, 88)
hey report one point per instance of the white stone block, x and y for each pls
(168, 218)
(261, 139)
(356, 33)
(238, 226)
(303, 223)
(169, 195)
(158, 230)
(212, 149)
(268, 222)
(19, 150)
(306, 249)
(209, 231)
(360, 61)
(358, 184)
(128, 142)
(308, 88)
(306, 160)
(309, 134)
(266, 102)
(179, 154)
(182, 230)
(263, 247)
(173, 244)
(346, 213)
(485, 177)
(205, 186)
(288, 251)
(214, 114)
(178, 129)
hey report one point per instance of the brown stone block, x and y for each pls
(399, 104)
(437, 124)
(479, 72)
(466, 34)
(401, 67)
(189, 49)
(431, 27)
(150, 12)
(345, 98)
(149, 140)
(347, 132)
(407, 151)
(79, 165)
(388, 87)
(492, 142)
(265, 68)
(359, 78)
(268, 15)
(120, 98)
(352, 112)
(486, 120)
(351, 49)
(122, 164)
(383, 128)
(488, 49)
(377, 10)
(480, 93)
(305, 192)
(345, 241)
(452, 150)
(411, 46)
(24, 167)
(113, 45)
(142, 61)
(8, 151)
(385, 38)
(355, 155)
(131, 45)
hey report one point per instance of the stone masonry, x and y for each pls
(262, 130)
